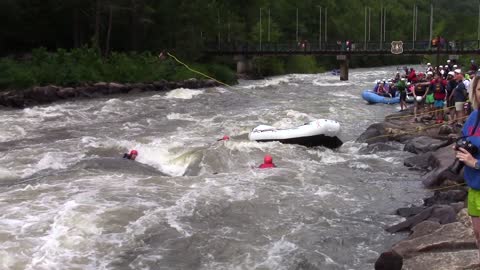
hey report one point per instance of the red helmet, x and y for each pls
(267, 159)
(134, 152)
(226, 137)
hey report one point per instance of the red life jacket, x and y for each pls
(267, 165)
(439, 91)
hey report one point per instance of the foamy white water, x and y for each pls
(69, 201)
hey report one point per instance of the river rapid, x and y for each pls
(69, 201)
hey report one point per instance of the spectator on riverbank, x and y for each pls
(451, 84)
(459, 95)
(472, 165)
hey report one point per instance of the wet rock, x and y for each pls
(51, 93)
(444, 260)
(424, 228)
(65, 93)
(441, 160)
(44, 94)
(449, 236)
(419, 162)
(389, 260)
(374, 134)
(424, 144)
(446, 197)
(446, 130)
(160, 85)
(116, 88)
(376, 147)
(443, 214)
(410, 211)
(464, 218)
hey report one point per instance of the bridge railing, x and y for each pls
(334, 47)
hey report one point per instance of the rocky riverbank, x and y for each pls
(51, 93)
(441, 235)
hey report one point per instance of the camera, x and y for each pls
(457, 165)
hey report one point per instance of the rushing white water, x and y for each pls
(69, 201)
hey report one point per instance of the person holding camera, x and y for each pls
(468, 155)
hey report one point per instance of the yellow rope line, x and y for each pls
(418, 130)
(195, 71)
(447, 187)
(405, 116)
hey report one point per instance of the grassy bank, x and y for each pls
(84, 65)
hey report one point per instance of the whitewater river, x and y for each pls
(69, 201)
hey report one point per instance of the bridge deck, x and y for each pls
(409, 48)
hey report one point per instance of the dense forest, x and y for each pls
(185, 26)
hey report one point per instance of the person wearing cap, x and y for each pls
(132, 156)
(451, 84)
(459, 95)
(224, 138)
(267, 163)
(429, 68)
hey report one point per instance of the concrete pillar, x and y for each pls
(343, 67)
(244, 64)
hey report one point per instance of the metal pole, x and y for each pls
(297, 26)
(365, 39)
(326, 24)
(260, 28)
(369, 23)
(384, 24)
(478, 34)
(431, 24)
(416, 21)
(320, 28)
(269, 24)
(413, 28)
(381, 27)
(218, 22)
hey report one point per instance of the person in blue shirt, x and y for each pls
(471, 132)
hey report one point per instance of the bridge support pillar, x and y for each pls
(343, 67)
(244, 65)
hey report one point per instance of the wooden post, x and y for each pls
(343, 59)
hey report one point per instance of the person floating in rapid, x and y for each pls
(267, 163)
(132, 156)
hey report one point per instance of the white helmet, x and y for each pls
(428, 64)
(448, 61)
(419, 99)
(377, 81)
(454, 66)
(440, 66)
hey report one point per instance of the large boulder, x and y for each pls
(424, 228)
(441, 160)
(376, 147)
(442, 214)
(446, 197)
(419, 162)
(44, 94)
(116, 88)
(68, 92)
(375, 133)
(424, 144)
(449, 236)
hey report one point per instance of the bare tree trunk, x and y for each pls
(96, 37)
(109, 31)
(76, 28)
(134, 25)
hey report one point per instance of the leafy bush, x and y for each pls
(301, 64)
(84, 65)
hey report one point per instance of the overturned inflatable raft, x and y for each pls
(321, 132)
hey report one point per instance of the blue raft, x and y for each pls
(372, 98)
